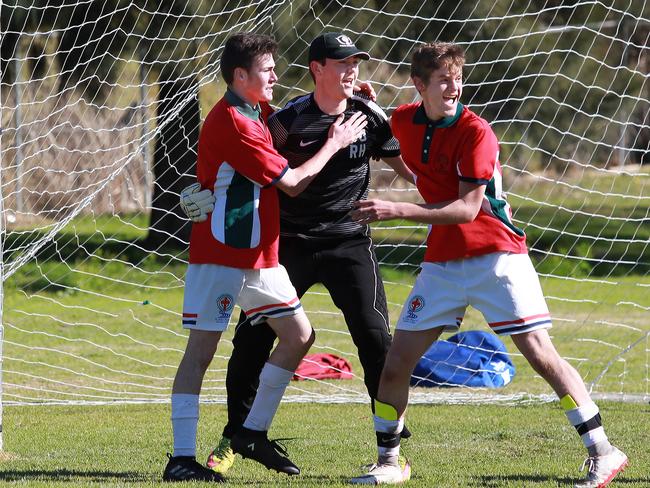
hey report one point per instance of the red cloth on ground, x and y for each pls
(323, 366)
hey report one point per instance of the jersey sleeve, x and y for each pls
(385, 144)
(253, 154)
(388, 145)
(479, 155)
(396, 121)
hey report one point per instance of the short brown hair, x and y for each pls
(319, 61)
(240, 51)
(429, 57)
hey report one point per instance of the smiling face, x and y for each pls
(337, 77)
(441, 93)
(256, 84)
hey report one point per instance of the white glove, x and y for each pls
(197, 203)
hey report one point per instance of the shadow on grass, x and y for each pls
(499, 481)
(70, 476)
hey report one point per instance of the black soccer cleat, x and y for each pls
(254, 444)
(185, 468)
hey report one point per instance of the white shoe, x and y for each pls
(602, 469)
(384, 474)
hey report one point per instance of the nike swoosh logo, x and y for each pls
(304, 144)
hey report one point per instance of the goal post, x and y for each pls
(90, 309)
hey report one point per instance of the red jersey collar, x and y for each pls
(244, 108)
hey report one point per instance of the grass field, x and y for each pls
(93, 317)
(88, 336)
(453, 446)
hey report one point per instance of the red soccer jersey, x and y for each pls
(444, 153)
(237, 161)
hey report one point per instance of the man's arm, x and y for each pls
(197, 203)
(341, 135)
(460, 211)
(398, 165)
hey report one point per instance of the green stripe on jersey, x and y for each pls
(498, 207)
(239, 214)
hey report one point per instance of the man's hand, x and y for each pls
(366, 88)
(366, 211)
(345, 133)
(197, 203)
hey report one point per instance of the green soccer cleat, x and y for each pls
(222, 458)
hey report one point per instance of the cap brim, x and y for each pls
(344, 52)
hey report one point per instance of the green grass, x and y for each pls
(453, 446)
(126, 320)
(94, 316)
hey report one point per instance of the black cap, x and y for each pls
(334, 45)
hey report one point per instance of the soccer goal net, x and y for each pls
(101, 106)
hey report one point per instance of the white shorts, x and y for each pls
(211, 292)
(504, 287)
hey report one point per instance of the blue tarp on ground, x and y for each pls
(471, 358)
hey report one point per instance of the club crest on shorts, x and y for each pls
(225, 304)
(413, 307)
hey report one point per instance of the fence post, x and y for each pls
(144, 129)
(623, 117)
(18, 138)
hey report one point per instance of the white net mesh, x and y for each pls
(101, 105)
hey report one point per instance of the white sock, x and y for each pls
(586, 420)
(273, 383)
(185, 418)
(387, 455)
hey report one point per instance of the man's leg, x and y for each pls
(390, 406)
(581, 411)
(359, 294)
(295, 337)
(252, 345)
(200, 349)
(404, 353)
(516, 306)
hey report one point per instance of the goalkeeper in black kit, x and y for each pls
(319, 242)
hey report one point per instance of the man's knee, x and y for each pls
(294, 330)
(304, 339)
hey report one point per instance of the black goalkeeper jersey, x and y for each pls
(299, 130)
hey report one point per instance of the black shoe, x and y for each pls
(255, 445)
(185, 468)
(406, 433)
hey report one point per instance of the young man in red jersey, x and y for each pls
(234, 254)
(475, 256)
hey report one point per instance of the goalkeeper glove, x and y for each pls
(197, 203)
